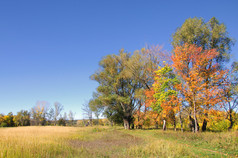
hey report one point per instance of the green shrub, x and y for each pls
(3, 124)
(219, 126)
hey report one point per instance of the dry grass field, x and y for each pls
(50, 142)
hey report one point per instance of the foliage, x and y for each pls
(210, 35)
(38, 113)
(117, 88)
(62, 122)
(192, 64)
(22, 118)
(166, 95)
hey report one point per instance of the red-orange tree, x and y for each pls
(193, 64)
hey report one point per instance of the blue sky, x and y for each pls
(48, 49)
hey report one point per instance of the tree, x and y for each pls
(7, 120)
(61, 121)
(192, 63)
(123, 80)
(166, 94)
(50, 115)
(87, 113)
(96, 106)
(210, 35)
(22, 118)
(230, 94)
(117, 87)
(38, 113)
(58, 108)
(71, 117)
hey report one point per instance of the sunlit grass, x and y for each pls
(36, 142)
(113, 142)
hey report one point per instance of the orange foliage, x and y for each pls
(200, 74)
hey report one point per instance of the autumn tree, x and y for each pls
(191, 63)
(38, 113)
(208, 35)
(7, 120)
(166, 94)
(22, 118)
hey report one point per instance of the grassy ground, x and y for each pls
(113, 142)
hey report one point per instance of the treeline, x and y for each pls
(41, 114)
(190, 87)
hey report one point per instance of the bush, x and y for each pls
(219, 126)
(3, 124)
(61, 122)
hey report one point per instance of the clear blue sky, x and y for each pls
(48, 49)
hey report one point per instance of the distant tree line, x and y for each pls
(41, 114)
(190, 87)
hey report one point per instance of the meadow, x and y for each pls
(48, 141)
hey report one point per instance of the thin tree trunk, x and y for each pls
(195, 118)
(175, 123)
(181, 121)
(156, 125)
(164, 124)
(156, 122)
(126, 124)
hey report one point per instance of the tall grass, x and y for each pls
(36, 142)
(113, 142)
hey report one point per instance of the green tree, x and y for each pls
(116, 86)
(210, 35)
(123, 79)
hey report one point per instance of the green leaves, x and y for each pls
(210, 35)
(164, 86)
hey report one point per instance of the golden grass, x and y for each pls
(112, 142)
(35, 141)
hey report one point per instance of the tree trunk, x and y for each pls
(156, 125)
(195, 118)
(164, 125)
(132, 126)
(181, 121)
(174, 123)
(126, 123)
(192, 124)
(204, 125)
(231, 120)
